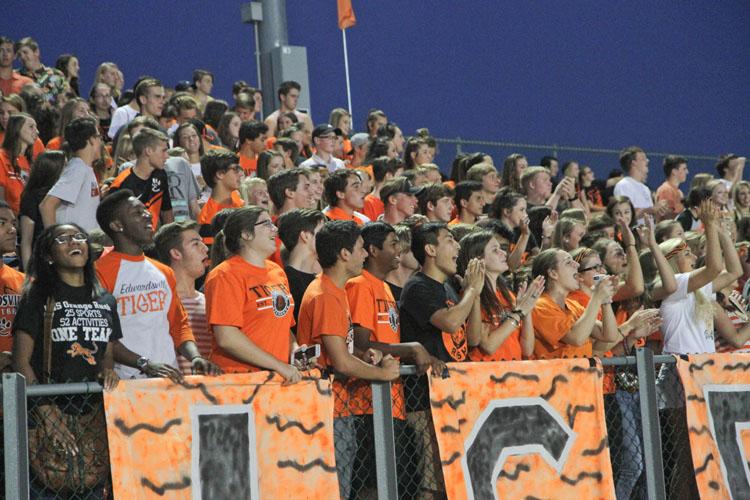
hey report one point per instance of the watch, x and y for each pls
(141, 363)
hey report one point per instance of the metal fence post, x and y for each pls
(650, 423)
(385, 448)
(15, 436)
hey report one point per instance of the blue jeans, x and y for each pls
(631, 455)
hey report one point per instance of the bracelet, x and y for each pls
(519, 312)
(196, 357)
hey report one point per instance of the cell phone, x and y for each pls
(599, 277)
(306, 353)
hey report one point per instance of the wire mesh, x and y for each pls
(679, 477)
(68, 453)
(624, 431)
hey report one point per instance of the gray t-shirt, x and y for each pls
(183, 188)
(78, 192)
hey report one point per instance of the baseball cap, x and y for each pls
(398, 185)
(325, 129)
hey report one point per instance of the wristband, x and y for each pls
(519, 312)
(196, 357)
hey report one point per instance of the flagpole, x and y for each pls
(348, 86)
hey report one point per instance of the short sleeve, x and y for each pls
(682, 289)
(68, 185)
(329, 317)
(551, 324)
(361, 304)
(29, 317)
(116, 327)
(224, 300)
(422, 301)
(166, 201)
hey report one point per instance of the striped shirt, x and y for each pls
(195, 307)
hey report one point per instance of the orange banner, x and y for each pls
(346, 14)
(234, 436)
(522, 429)
(717, 403)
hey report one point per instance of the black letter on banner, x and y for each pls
(515, 426)
(224, 462)
(729, 408)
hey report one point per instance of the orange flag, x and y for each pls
(346, 14)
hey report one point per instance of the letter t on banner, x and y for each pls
(346, 20)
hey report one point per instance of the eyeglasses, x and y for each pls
(590, 268)
(67, 238)
(267, 223)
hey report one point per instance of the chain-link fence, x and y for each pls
(68, 454)
(601, 160)
(385, 443)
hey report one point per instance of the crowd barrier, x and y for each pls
(602, 160)
(551, 429)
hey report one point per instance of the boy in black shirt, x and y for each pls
(297, 230)
(433, 315)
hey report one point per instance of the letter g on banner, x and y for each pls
(507, 427)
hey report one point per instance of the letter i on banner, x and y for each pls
(518, 429)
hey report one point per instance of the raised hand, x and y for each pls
(646, 232)
(529, 295)
(548, 224)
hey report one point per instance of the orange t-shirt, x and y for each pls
(325, 311)
(672, 195)
(335, 213)
(373, 307)
(55, 143)
(256, 300)
(12, 283)
(271, 141)
(12, 182)
(211, 208)
(249, 165)
(374, 207)
(551, 324)
(38, 148)
(510, 349)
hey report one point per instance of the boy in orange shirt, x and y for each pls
(469, 202)
(252, 142)
(343, 192)
(11, 281)
(222, 173)
(324, 319)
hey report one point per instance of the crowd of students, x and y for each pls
(165, 233)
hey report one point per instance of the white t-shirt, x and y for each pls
(638, 192)
(78, 192)
(121, 117)
(683, 332)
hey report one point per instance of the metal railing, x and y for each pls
(398, 467)
(601, 160)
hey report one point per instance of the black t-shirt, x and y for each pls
(421, 297)
(30, 208)
(82, 327)
(395, 290)
(298, 283)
